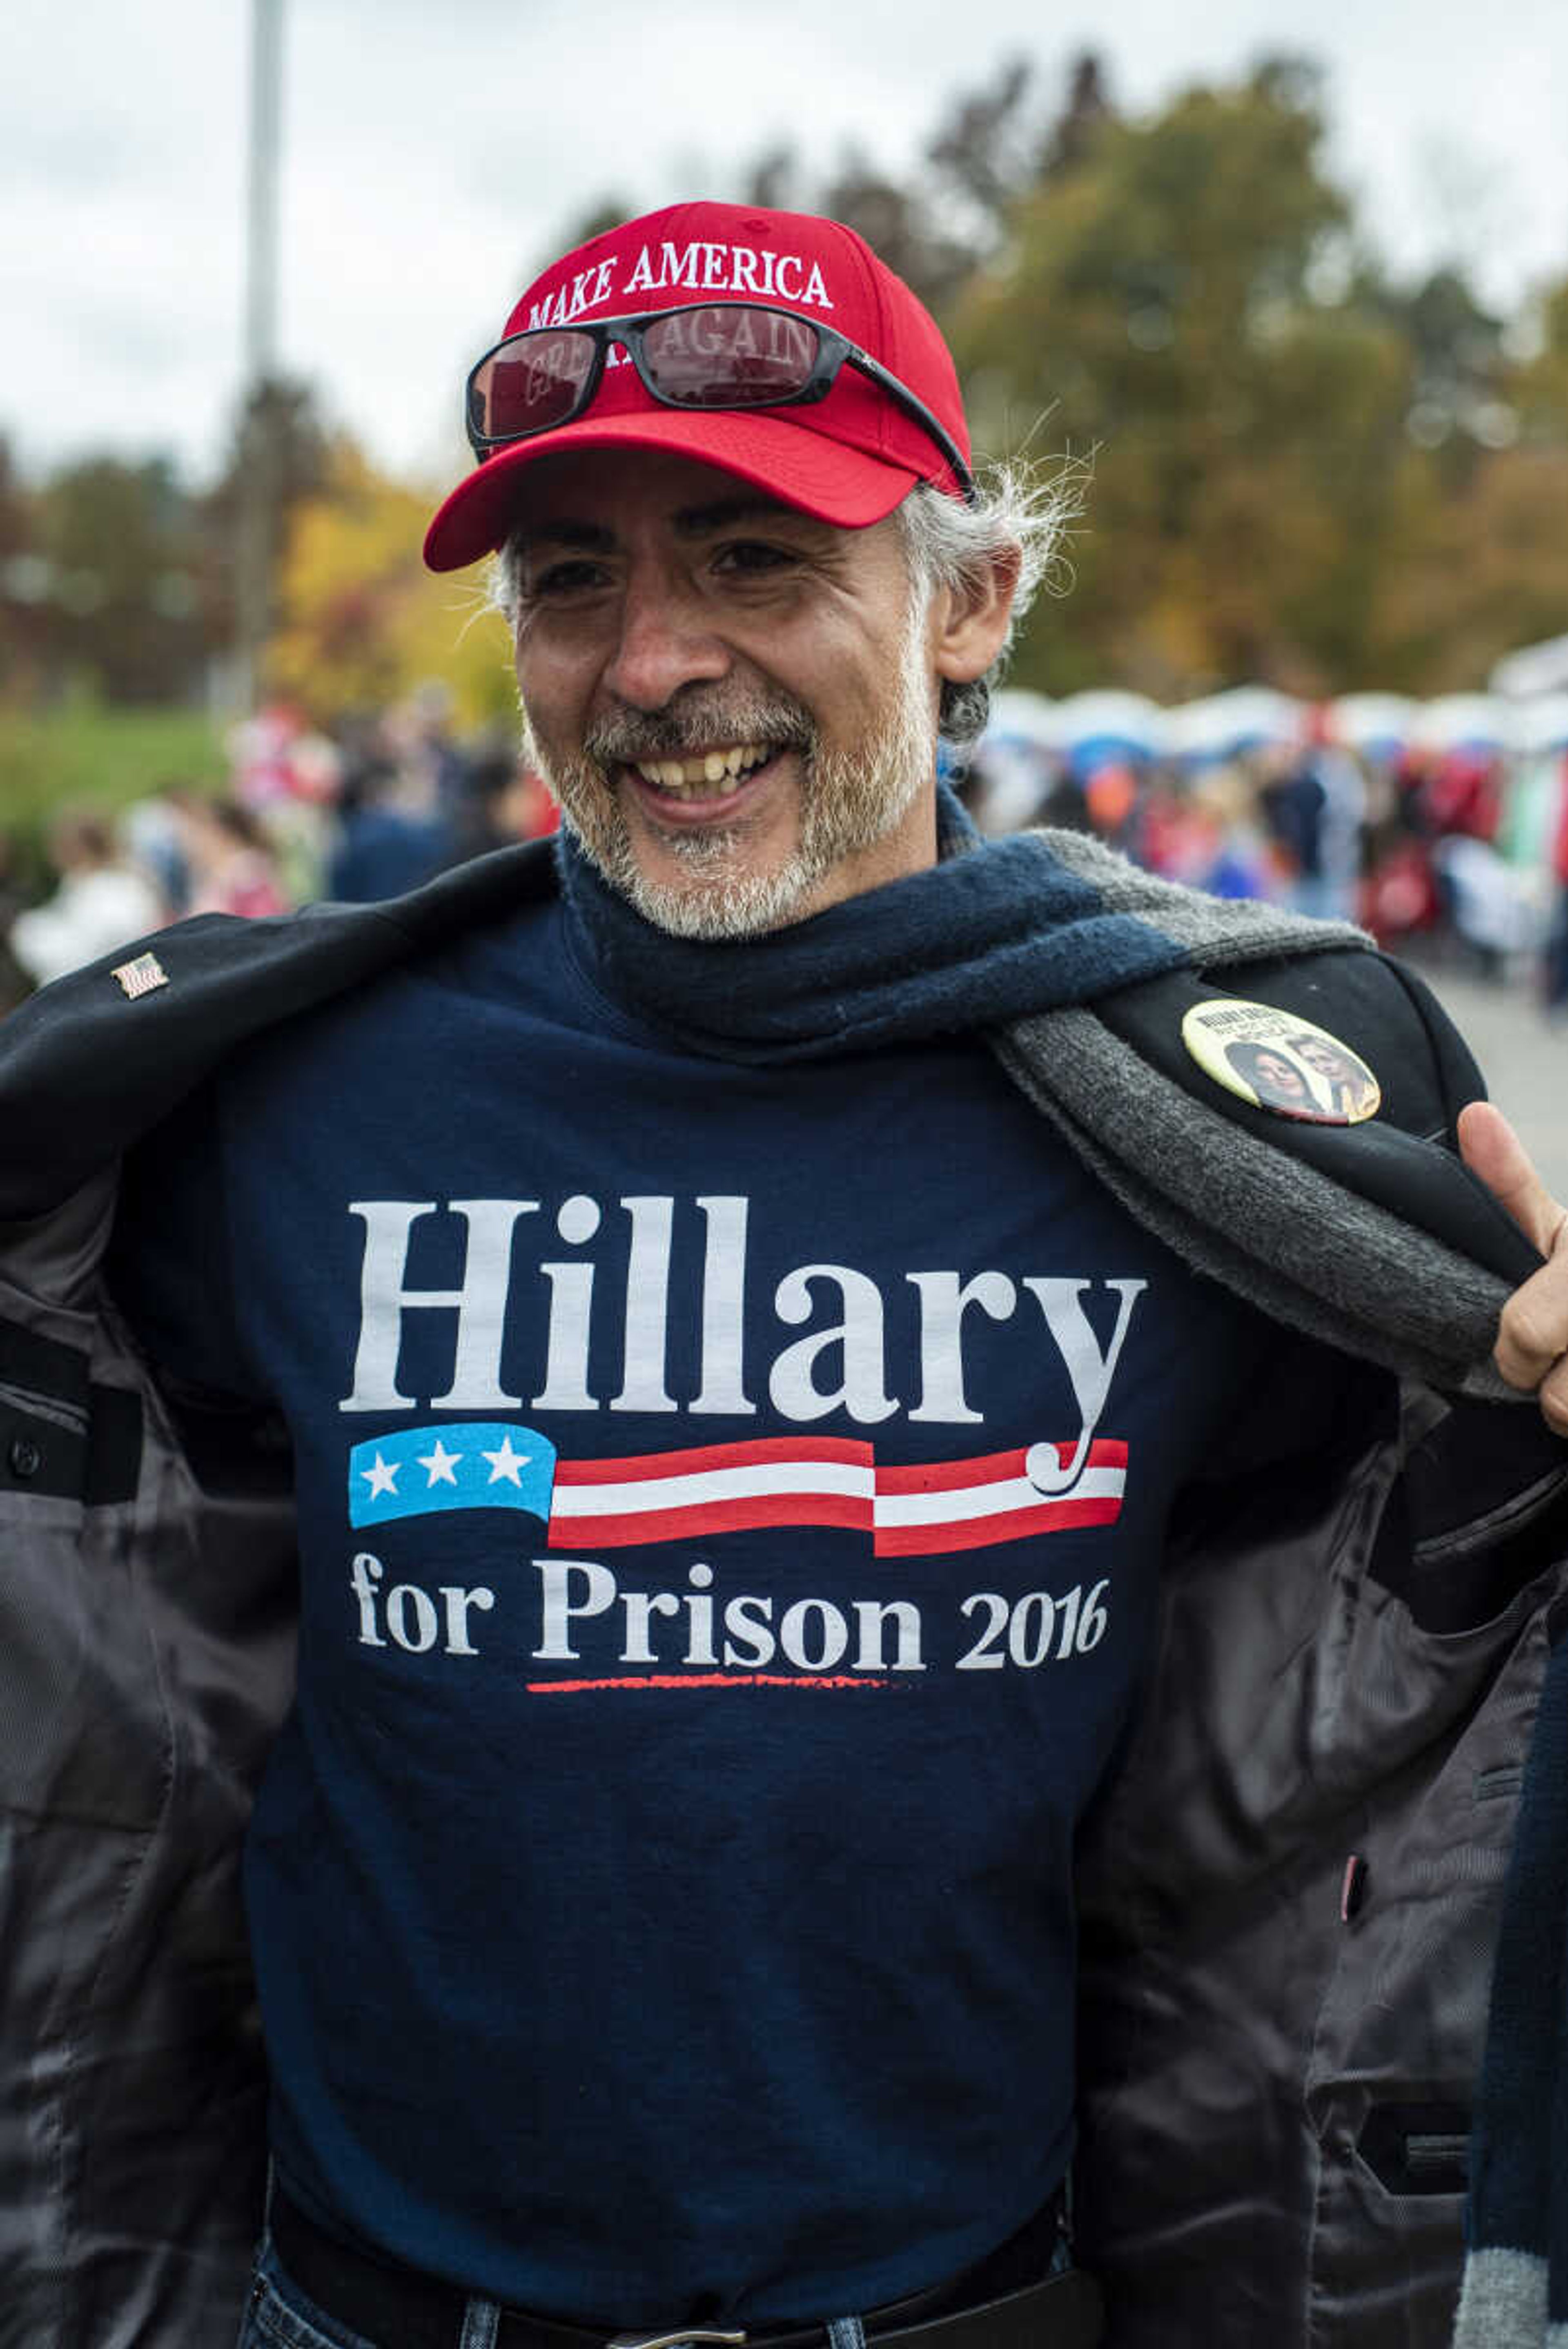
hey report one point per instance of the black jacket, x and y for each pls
(1288, 1894)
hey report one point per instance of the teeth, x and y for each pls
(707, 777)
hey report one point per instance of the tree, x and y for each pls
(23, 583)
(1073, 135)
(362, 622)
(772, 183)
(1457, 407)
(898, 223)
(1156, 305)
(980, 153)
(1479, 564)
(117, 545)
(1476, 574)
(1538, 387)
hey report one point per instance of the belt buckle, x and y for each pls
(688, 2335)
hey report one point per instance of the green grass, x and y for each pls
(104, 758)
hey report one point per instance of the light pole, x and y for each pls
(259, 453)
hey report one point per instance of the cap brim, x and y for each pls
(800, 466)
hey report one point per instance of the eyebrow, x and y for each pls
(690, 522)
(699, 522)
(588, 537)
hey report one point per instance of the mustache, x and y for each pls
(624, 737)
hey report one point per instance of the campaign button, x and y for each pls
(1279, 1061)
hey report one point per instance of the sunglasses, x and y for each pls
(705, 354)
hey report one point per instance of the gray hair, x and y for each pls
(1017, 514)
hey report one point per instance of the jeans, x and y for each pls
(279, 2316)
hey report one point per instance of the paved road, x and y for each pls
(1525, 1061)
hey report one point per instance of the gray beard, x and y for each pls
(849, 799)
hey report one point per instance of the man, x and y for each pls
(1349, 1088)
(736, 1440)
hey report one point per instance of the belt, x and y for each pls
(407, 2309)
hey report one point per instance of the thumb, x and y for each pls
(1494, 1153)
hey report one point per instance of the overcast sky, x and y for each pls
(434, 148)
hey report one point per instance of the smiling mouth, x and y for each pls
(708, 774)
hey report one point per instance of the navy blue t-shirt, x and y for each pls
(730, 1504)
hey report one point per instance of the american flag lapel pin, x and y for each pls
(141, 976)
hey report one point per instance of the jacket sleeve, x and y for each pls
(146, 1652)
(1289, 1896)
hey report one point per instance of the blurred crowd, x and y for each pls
(365, 811)
(1442, 828)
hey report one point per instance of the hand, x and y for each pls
(1531, 1349)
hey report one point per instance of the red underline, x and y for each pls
(708, 1680)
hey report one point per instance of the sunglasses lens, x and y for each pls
(728, 355)
(531, 383)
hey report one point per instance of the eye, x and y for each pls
(574, 575)
(753, 557)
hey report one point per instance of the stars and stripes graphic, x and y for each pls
(421, 1472)
(789, 1480)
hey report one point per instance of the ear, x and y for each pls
(969, 623)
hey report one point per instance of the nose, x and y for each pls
(666, 640)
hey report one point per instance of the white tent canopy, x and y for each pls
(1125, 723)
(1110, 724)
(1220, 725)
(1464, 722)
(1020, 716)
(1534, 668)
(1542, 725)
(1373, 722)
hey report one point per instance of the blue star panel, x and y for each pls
(420, 1470)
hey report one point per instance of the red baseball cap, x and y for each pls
(848, 458)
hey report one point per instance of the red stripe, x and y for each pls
(700, 1517)
(951, 1475)
(708, 1680)
(979, 1533)
(990, 1468)
(755, 1453)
